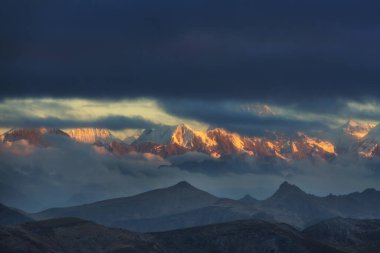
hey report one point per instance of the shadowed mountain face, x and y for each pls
(221, 211)
(241, 236)
(248, 199)
(291, 205)
(179, 198)
(69, 235)
(11, 216)
(349, 235)
(72, 235)
(35, 136)
(183, 205)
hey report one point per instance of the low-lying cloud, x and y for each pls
(69, 173)
(113, 122)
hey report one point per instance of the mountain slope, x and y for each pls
(34, 136)
(223, 210)
(173, 140)
(179, 198)
(218, 142)
(182, 206)
(69, 235)
(240, 237)
(293, 206)
(248, 199)
(365, 204)
(349, 235)
(91, 135)
(306, 147)
(12, 216)
(158, 135)
(369, 146)
(357, 130)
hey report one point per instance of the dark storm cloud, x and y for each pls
(110, 122)
(234, 117)
(365, 109)
(281, 50)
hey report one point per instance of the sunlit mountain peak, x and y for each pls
(91, 135)
(358, 130)
(312, 146)
(187, 137)
(32, 135)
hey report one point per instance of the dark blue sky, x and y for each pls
(277, 50)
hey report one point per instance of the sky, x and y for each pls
(313, 57)
(131, 65)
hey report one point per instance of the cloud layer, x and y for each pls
(109, 122)
(239, 117)
(205, 49)
(69, 173)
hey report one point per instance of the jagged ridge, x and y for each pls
(175, 140)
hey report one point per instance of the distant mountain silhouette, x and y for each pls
(182, 206)
(287, 190)
(291, 205)
(12, 216)
(179, 198)
(67, 235)
(248, 199)
(219, 212)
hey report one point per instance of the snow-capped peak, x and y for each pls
(91, 135)
(181, 135)
(322, 145)
(158, 134)
(358, 130)
(32, 135)
(187, 137)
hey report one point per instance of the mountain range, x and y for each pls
(69, 235)
(359, 139)
(183, 205)
(288, 221)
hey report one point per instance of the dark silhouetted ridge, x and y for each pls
(248, 199)
(286, 189)
(181, 197)
(72, 235)
(183, 185)
(349, 235)
(241, 236)
(11, 216)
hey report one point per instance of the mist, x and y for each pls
(68, 173)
